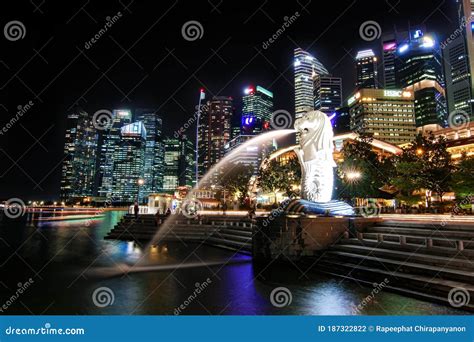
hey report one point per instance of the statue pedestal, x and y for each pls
(331, 208)
(297, 236)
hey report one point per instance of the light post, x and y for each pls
(140, 182)
(202, 95)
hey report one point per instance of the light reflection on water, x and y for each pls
(64, 255)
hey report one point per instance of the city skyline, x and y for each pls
(174, 99)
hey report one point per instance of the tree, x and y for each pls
(236, 180)
(362, 172)
(272, 178)
(424, 165)
(463, 177)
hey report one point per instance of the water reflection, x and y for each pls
(69, 260)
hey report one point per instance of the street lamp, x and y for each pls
(353, 176)
(140, 182)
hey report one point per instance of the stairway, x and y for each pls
(418, 259)
(233, 233)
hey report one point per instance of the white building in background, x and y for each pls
(307, 67)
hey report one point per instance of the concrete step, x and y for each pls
(423, 225)
(402, 267)
(451, 234)
(414, 248)
(466, 264)
(232, 237)
(424, 287)
(421, 240)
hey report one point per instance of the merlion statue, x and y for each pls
(315, 156)
(317, 168)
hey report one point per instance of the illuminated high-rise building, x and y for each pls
(419, 70)
(306, 68)
(178, 163)
(385, 114)
(366, 69)
(214, 132)
(154, 151)
(327, 93)
(80, 152)
(128, 164)
(389, 48)
(171, 165)
(458, 53)
(110, 141)
(257, 108)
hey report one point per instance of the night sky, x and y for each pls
(143, 61)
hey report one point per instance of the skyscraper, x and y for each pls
(387, 115)
(459, 62)
(389, 48)
(306, 68)
(327, 93)
(171, 164)
(214, 132)
(109, 142)
(366, 69)
(79, 164)
(154, 151)
(178, 163)
(128, 163)
(257, 109)
(419, 70)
